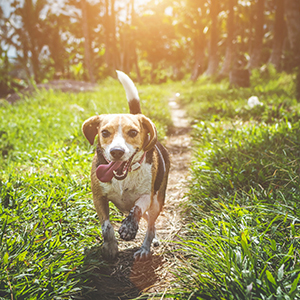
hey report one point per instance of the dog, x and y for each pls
(130, 168)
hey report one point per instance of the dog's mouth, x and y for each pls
(116, 169)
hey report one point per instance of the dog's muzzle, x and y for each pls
(116, 169)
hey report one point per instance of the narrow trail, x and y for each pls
(125, 279)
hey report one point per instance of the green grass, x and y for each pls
(242, 216)
(243, 213)
(207, 101)
(47, 221)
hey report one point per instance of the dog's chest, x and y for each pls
(124, 193)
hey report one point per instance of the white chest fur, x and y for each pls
(124, 193)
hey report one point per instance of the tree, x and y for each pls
(87, 48)
(85, 38)
(196, 20)
(30, 36)
(133, 46)
(257, 42)
(230, 38)
(292, 13)
(213, 59)
(279, 33)
(111, 52)
(155, 35)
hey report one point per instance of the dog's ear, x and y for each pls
(90, 128)
(151, 129)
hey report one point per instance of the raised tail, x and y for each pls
(131, 93)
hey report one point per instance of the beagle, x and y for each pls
(130, 168)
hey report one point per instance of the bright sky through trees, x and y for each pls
(154, 39)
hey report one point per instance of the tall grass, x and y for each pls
(47, 220)
(243, 213)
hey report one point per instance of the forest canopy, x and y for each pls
(153, 40)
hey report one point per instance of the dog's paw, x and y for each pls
(142, 254)
(130, 224)
(110, 250)
(129, 228)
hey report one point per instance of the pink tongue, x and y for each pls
(105, 172)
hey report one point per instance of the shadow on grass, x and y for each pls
(122, 279)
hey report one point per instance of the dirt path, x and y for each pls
(126, 279)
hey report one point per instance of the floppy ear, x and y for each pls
(90, 128)
(150, 127)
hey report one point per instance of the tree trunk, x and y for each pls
(292, 14)
(255, 55)
(230, 37)
(239, 77)
(199, 56)
(107, 25)
(30, 17)
(279, 35)
(115, 54)
(213, 60)
(133, 48)
(87, 50)
(125, 43)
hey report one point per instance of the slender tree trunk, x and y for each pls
(87, 50)
(115, 54)
(129, 54)
(255, 55)
(107, 26)
(230, 37)
(213, 60)
(292, 14)
(279, 35)
(199, 56)
(125, 41)
(35, 63)
(133, 48)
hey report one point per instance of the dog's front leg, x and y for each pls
(130, 224)
(153, 212)
(110, 244)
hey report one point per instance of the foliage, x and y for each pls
(48, 41)
(243, 215)
(49, 228)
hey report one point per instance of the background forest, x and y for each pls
(153, 40)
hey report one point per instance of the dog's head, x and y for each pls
(121, 136)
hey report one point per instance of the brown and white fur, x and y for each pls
(138, 186)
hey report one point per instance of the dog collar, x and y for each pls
(137, 164)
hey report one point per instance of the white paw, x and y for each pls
(110, 250)
(142, 254)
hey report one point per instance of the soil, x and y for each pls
(127, 279)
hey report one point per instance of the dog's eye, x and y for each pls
(132, 133)
(105, 133)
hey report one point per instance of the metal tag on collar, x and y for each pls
(135, 166)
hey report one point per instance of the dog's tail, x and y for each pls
(131, 93)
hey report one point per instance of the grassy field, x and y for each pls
(243, 212)
(47, 219)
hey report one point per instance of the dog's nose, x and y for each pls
(117, 153)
